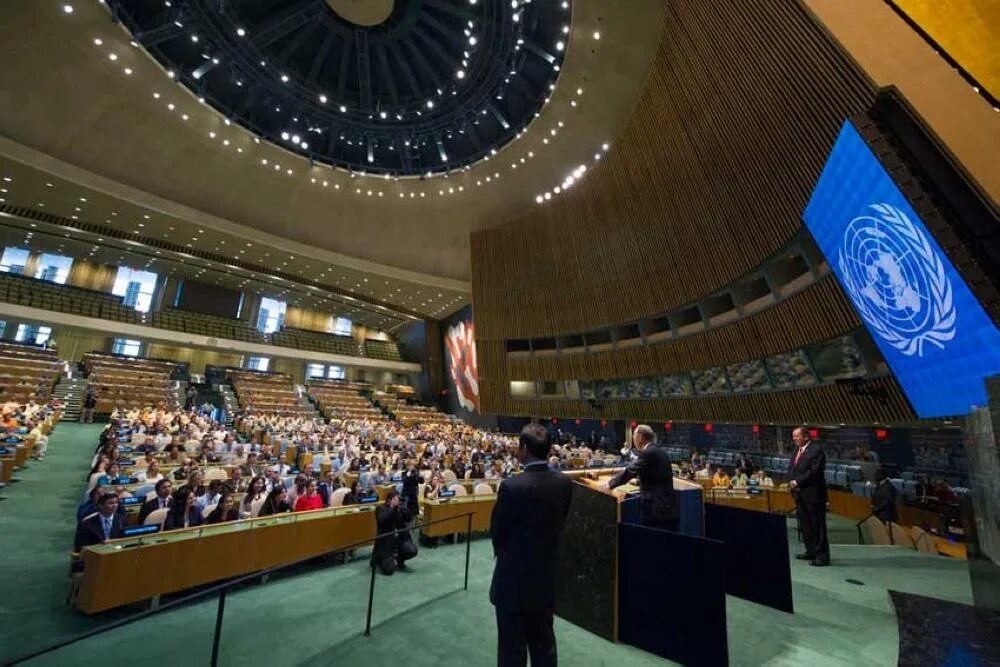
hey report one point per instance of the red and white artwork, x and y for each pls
(461, 344)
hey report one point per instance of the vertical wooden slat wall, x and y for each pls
(706, 180)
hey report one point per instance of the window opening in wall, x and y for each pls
(258, 363)
(127, 346)
(271, 316)
(14, 260)
(32, 334)
(54, 268)
(136, 287)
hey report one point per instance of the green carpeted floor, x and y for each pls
(316, 615)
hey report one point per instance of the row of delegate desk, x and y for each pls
(129, 570)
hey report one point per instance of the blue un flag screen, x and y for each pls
(931, 329)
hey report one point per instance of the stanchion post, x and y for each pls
(371, 596)
(218, 627)
(468, 547)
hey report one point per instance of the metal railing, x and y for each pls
(222, 589)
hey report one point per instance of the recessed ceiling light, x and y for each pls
(68, 9)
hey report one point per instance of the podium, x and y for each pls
(661, 591)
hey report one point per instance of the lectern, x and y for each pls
(659, 590)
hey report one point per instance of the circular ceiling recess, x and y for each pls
(400, 88)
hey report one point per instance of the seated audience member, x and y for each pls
(225, 510)
(212, 495)
(183, 512)
(393, 550)
(89, 507)
(703, 473)
(740, 481)
(151, 475)
(298, 488)
(238, 481)
(721, 480)
(326, 488)
(944, 493)
(353, 496)
(276, 502)
(106, 524)
(111, 476)
(309, 499)
(256, 492)
(884, 498)
(164, 488)
(434, 487)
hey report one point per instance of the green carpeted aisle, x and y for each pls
(316, 615)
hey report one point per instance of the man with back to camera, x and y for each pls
(526, 530)
(657, 505)
(807, 482)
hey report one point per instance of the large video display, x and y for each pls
(931, 329)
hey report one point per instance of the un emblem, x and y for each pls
(896, 281)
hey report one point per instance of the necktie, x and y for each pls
(107, 527)
(798, 456)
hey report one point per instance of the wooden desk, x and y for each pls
(129, 570)
(435, 510)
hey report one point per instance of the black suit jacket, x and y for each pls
(91, 530)
(656, 482)
(810, 474)
(526, 530)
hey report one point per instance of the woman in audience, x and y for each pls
(255, 494)
(721, 480)
(276, 503)
(151, 475)
(225, 510)
(352, 498)
(478, 472)
(183, 513)
(432, 489)
(110, 477)
(308, 499)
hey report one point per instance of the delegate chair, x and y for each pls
(337, 498)
(458, 489)
(483, 489)
(156, 517)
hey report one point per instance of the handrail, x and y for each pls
(231, 583)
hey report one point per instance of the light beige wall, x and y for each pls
(893, 54)
(294, 369)
(195, 358)
(72, 344)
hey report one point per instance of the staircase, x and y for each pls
(229, 402)
(306, 401)
(70, 392)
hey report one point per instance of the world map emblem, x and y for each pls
(897, 281)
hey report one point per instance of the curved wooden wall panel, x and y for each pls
(707, 178)
(825, 404)
(818, 313)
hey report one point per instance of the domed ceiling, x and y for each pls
(404, 88)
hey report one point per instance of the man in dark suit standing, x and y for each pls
(106, 524)
(807, 480)
(657, 504)
(526, 529)
(164, 488)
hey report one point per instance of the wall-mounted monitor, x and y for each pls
(934, 334)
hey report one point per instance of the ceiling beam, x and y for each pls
(434, 45)
(457, 9)
(364, 69)
(320, 57)
(404, 65)
(422, 63)
(299, 14)
(390, 81)
(345, 59)
(159, 35)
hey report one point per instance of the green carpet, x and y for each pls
(316, 615)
